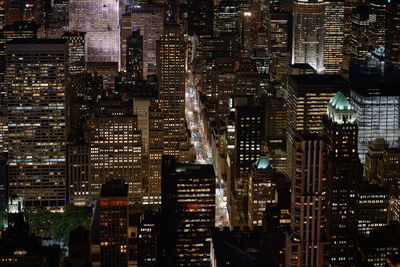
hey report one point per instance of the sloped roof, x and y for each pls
(263, 163)
(340, 102)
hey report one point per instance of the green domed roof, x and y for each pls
(340, 102)
(263, 163)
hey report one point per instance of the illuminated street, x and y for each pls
(202, 148)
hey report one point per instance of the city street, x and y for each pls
(202, 148)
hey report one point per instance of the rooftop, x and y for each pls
(263, 163)
(340, 102)
(114, 188)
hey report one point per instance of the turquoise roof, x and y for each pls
(340, 102)
(263, 163)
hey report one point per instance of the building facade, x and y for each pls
(334, 36)
(343, 171)
(188, 213)
(308, 33)
(306, 242)
(378, 115)
(171, 81)
(36, 77)
(100, 21)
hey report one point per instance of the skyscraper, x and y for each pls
(343, 170)
(306, 241)
(200, 17)
(372, 208)
(149, 19)
(2, 13)
(36, 81)
(279, 46)
(134, 54)
(349, 6)
(79, 173)
(228, 19)
(377, 23)
(392, 45)
(100, 21)
(360, 35)
(334, 36)
(262, 190)
(306, 100)
(171, 82)
(3, 132)
(308, 33)
(275, 132)
(16, 31)
(116, 152)
(114, 224)
(378, 114)
(188, 213)
(76, 52)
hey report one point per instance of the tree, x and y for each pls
(72, 217)
(40, 220)
(45, 223)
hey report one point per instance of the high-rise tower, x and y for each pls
(305, 243)
(334, 36)
(308, 33)
(100, 21)
(36, 74)
(171, 73)
(342, 172)
(149, 19)
(393, 34)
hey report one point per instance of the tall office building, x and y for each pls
(143, 233)
(37, 117)
(308, 33)
(171, 83)
(76, 52)
(375, 153)
(100, 21)
(262, 191)
(372, 208)
(156, 150)
(149, 19)
(248, 136)
(275, 132)
(188, 213)
(306, 100)
(3, 179)
(228, 19)
(200, 17)
(279, 46)
(3, 132)
(114, 219)
(360, 35)
(377, 19)
(378, 114)
(2, 13)
(388, 168)
(305, 242)
(222, 86)
(334, 36)
(116, 152)
(16, 31)
(79, 174)
(381, 247)
(349, 6)
(343, 170)
(392, 46)
(134, 54)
